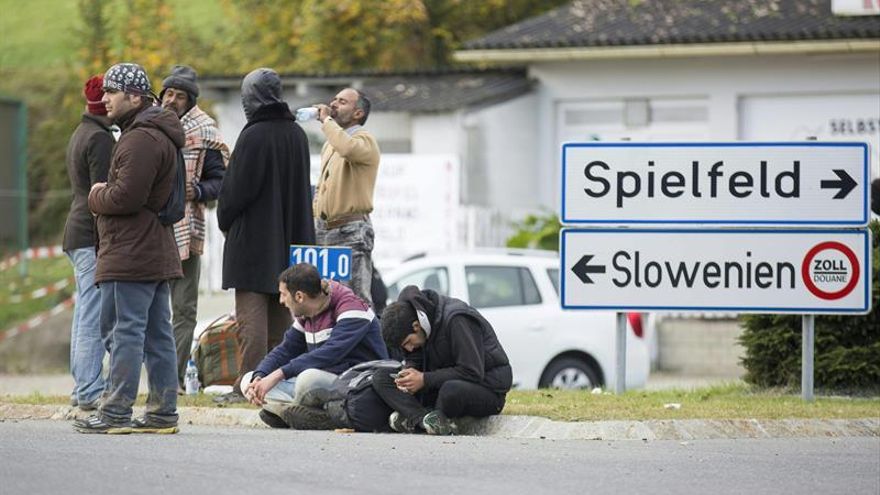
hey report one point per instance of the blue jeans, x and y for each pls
(86, 348)
(136, 324)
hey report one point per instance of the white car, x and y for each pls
(518, 292)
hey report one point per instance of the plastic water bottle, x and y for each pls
(306, 114)
(191, 378)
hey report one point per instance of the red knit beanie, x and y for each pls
(93, 92)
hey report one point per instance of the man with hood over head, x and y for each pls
(455, 366)
(263, 208)
(137, 256)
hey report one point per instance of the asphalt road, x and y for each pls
(38, 457)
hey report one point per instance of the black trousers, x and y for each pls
(455, 398)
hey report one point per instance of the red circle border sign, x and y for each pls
(853, 261)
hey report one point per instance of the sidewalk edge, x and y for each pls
(534, 427)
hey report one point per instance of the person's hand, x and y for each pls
(259, 388)
(323, 111)
(190, 192)
(410, 380)
(249, 393)
(97, 186)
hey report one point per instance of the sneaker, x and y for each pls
(435, 423)
(150, 425)
(301, 417)
(400, 424)
(95, 424)
(271, 415)
(233, 397)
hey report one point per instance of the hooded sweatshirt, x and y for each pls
(260, 88)
(461, 344)
(133, 245)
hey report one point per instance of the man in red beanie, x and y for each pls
(88, 160)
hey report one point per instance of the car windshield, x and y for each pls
(434, 278)
(494, 286)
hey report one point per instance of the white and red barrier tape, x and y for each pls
(37, 320)
(38, 293)
(36, 253)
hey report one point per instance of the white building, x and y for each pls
(694, 70)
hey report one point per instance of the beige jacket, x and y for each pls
(349, 165)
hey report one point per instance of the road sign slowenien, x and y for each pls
(785, 184)
(744, 270)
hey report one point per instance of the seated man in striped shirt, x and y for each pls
(332, 331)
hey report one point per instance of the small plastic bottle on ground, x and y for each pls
(191, 378)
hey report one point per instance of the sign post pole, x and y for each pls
(620, 348)
(808, 336)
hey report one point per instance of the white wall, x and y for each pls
(511, 152)
(723, 81)
(498, 148)
(437, 133)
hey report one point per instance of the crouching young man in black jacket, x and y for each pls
(454, 364)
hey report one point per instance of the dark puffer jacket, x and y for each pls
(132, 244)
(461, 344)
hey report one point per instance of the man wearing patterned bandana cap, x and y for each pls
(137, 256)
(206, 156)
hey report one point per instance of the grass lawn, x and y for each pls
(733, 401)
(40, 33)
(41, 273)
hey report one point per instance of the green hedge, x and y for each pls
(847, 348)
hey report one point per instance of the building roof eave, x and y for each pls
(531, 55)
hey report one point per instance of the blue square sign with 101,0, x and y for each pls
(333, 262)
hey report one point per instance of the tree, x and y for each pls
(147, 36)
(315, 36)
(94, 33)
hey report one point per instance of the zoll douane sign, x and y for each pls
(793, 184)
(744, 270)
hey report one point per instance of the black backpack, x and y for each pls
(175, 207)
(356, 404)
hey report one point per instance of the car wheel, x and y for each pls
(569, 374)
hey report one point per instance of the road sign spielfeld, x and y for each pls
(804, 183)
(795, 271)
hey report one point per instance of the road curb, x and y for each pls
(533, 427)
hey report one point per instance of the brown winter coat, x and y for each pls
(132, 244)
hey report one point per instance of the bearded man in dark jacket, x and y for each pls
(137, 256)
(264, 207)
(454, 364)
